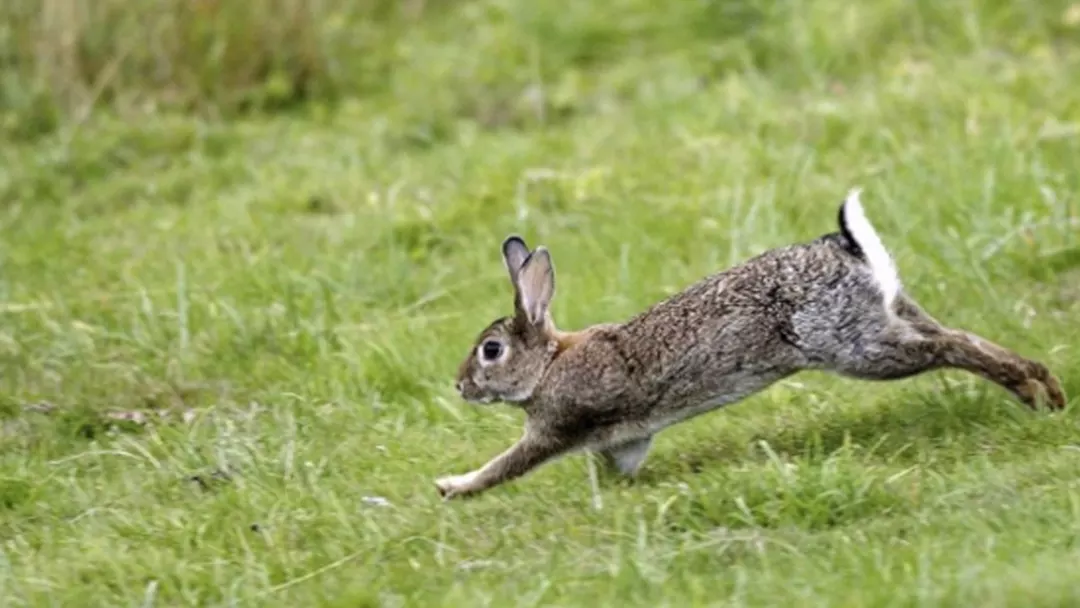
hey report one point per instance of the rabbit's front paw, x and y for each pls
(455, 485)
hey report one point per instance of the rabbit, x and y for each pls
(835, 303)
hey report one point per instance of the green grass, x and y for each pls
(303, 284)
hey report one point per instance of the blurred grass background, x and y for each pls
(496, 63)
(249, 242)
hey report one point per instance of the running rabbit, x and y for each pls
(835, 303)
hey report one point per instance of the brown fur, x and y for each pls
(569, 339)
(829, 304)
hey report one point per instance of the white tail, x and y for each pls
(859, 229)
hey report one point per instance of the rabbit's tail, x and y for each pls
(858, 230)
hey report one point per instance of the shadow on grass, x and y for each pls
(857, 466)
(900, 430)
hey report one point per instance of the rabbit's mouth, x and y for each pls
(470, 393)
(478, 399)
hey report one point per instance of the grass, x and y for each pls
(217, 57)
(283, 295)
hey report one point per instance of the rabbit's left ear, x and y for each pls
(515, 252)
(535, 285)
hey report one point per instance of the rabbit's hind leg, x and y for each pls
(1029, 380)
(913, 343)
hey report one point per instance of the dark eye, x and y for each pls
(490, 350)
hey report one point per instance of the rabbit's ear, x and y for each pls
(515, 252)
(535, 286)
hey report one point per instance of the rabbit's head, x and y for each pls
(510, 355)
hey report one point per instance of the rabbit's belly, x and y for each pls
(669, 418)
(703, 402)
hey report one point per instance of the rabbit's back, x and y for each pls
(723, 338)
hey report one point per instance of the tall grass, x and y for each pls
(62, 58)
(496, 62)
(237, 279)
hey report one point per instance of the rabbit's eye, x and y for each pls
(491, 350)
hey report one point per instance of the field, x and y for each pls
(233, 299)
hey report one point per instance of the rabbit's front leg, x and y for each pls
(627, 457)
(529, 452)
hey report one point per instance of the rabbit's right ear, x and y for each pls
(535, 286)
(515, 252)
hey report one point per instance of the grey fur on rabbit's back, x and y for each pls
(835, 303)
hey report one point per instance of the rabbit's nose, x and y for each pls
(459, 385)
